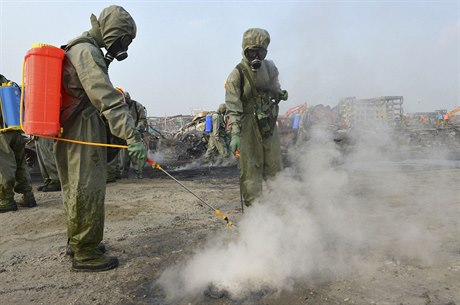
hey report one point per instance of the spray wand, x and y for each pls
(216, 211)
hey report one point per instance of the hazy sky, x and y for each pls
(324, 50)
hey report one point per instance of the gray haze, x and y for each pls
(324, 50)
(332, 216)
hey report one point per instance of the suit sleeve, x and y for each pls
(92, 72)
(275, 86)
(142, 114)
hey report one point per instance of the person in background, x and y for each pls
(252, 95)
(113, 169)
(139, 114)
(217, 144)
(14, 176)
(445, 120)
(90, 103)
(47, 164)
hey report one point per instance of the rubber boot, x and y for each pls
(52, 187)
(28, 200)
(93, 260)
(40, 188)
(8, 206)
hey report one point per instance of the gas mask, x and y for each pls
(255, 57)
(119, 49)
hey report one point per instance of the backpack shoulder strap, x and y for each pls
(245, 73)
(77, 41)
(239, 67)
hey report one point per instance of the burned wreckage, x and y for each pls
(184, 137)
(383, 114)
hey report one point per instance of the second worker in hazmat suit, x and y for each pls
(87, 96)
(252, 96)
(14, 175)
(217, 144)
(139, 115)
(47, 164)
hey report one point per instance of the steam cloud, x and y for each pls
(328, 215)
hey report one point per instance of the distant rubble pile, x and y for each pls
(448, 137)
(385, 114)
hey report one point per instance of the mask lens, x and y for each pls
(261, 53)
(251, 54)
(255, 53)
(125, 41)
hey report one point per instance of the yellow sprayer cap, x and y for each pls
(39, 45)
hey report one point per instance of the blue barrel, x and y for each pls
(208, 126)
(296, 121)
(10, 96)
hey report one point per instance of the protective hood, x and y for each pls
(256, 38)
(222, 108)
(113, 23)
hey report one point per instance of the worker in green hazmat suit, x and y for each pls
(47, 165)
(217, 144)
(252, 96)
(139, 114)
(89, 104)
(113, 168)
(14, 175)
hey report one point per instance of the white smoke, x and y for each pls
(157, 156)
(325, 216)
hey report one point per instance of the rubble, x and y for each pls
(384, 114)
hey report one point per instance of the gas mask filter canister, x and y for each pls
(119, 49)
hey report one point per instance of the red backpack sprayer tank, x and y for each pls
(42, 72)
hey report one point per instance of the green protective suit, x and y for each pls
(87, 93)
(260, 157)
(113, 168)
(14, 175)
(139, 114)
(217, 144)
(46, 161)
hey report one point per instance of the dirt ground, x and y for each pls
(153, 224)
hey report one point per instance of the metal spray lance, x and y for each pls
(216, 211)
